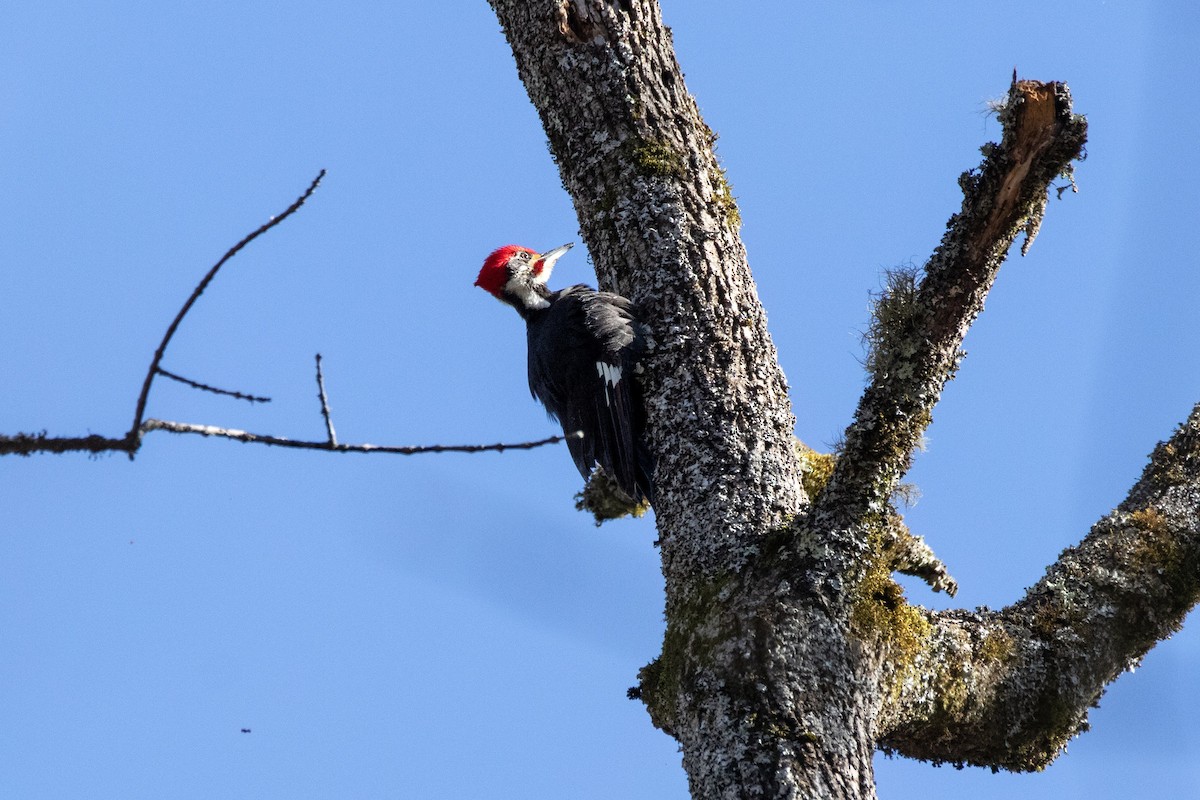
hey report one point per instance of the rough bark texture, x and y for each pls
(919, 325)
(661, 228)
(1009, 688)
(790, 654)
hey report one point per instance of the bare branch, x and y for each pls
(204, 387)
(26, 444)
(325, 405)
(919, 325)
(139, 413)
(280, 441)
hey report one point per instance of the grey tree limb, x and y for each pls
(1009, 688)
(920, 321)
(660, 223)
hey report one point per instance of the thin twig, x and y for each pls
(325, 404)
(204, 387)
(140, 412)
(279, 441)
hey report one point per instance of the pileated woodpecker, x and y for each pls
(584, 347)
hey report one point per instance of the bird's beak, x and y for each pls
(544, 264)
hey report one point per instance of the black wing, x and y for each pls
(583, 355)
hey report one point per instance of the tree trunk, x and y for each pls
(790, 654)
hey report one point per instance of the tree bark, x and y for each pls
(1009, 688)
(790, 655)
(661, 227)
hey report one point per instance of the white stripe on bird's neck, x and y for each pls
(528, 297)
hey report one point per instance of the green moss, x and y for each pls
(996, 646)
(603, 498)
(950, 690)
(893, 435)
(879, 612)
(815, 468)
(765, 725)
(1150, 520)
(1057, 720)
(1173, 461)
(724, 200)
(1156, 550)
(687, 642)
(658, 158)
(1047, 617)
(893, 318)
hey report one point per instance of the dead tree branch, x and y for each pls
(920, 323)
(155, 363)
(26, 444)
(332, 446)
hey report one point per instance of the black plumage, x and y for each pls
(584, 353)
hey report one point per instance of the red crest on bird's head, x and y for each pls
(494, 274)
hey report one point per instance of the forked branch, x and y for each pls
(156, 362)
(26, 444)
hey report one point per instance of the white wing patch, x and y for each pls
(611, 375)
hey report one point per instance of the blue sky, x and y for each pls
(448, 626)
